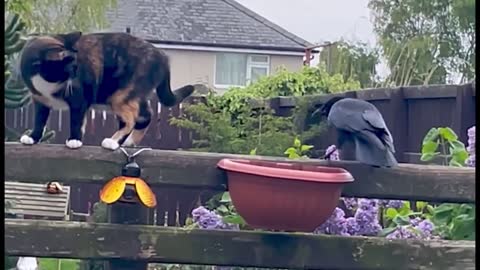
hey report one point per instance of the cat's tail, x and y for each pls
(170, 98)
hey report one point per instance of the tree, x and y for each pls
(426, 41)
(57, 16)
(355, 61)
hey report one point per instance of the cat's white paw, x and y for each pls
(73, 144)
(111, 144)
(25, 139)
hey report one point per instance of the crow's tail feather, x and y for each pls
(368, 153)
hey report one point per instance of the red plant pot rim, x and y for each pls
(311, 173)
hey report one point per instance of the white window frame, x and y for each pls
(250, 64)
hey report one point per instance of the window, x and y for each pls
(235, 69)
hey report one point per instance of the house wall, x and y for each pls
(188, 66)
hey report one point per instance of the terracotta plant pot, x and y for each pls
(284, 196)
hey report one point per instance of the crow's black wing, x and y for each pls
(375, 119)
(362, 118)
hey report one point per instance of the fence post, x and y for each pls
(399, 127)
(464, 115)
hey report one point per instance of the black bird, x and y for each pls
(360, 121)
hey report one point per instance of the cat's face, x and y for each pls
(51, 57)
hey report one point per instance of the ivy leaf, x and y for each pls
(429, 147)
(448, 134)
(432, 135)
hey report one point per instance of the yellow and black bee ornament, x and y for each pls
(129, 187)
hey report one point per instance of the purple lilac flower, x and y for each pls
(418, 229)
(334, 224)
(426, 228)
(471, 147)
(351, 226)
(367, 217)
(415, 221)
(397, 204)
(334, 155)
(207, 219)
(404, 232)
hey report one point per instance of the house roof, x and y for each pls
(220, 23)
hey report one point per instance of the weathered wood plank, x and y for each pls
(240, 248)
(40, 163)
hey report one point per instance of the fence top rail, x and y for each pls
(92, 164)
(409, 92)
(240, 248)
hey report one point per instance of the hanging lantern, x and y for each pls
(129, 187)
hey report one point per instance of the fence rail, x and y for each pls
(197, 170)
(239, 248)
(194, 171)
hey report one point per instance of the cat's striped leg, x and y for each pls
(141, 125)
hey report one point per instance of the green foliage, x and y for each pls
(423, 41)
(354, 61)
(298, 150)
(455, 221)
(57, 16)
(232, 123)
(444, 141)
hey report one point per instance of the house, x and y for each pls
(219, 43)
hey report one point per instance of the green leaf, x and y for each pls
(429, 147)
(391, 213)
(401, 220)
(454, 163)
(387, 231)
(297, 143)
(226, 197)
(421, 205)
(306, 148)
(457, 145)
(448, 134)
(429, 156)
(234, 219)
(253, 152)
(222, 209)
(431, 135)
(290, 151)
(430, 209)
(463, 228)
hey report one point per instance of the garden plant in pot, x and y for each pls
(284, 196)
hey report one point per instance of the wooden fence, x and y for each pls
(196, 174)
(409, 112)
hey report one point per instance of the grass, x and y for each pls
(51, 264)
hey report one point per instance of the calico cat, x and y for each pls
(76, 71)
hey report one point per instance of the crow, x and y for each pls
(360, 121)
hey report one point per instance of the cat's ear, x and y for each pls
(70, 39)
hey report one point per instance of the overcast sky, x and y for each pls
(318, 21)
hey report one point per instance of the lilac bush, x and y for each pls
(471, 147)
(207, 219)
(418, 229)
